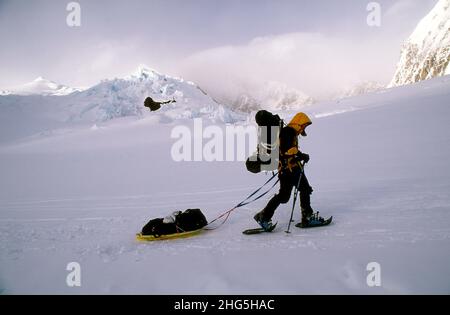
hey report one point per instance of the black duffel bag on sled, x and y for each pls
(175, 224)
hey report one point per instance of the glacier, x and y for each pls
(379, 165)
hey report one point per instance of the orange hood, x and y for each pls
(299, 123)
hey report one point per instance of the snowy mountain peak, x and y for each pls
(41, 86)
(426, 54)
(144, 72)
(125, 97)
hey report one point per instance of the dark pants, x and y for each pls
(289, 180)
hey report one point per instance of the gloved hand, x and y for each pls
(303, 157)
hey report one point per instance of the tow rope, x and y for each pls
(244, 202)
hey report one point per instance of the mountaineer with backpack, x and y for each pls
(290, 169)
(277, 149)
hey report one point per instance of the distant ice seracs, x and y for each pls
(272, 95)
(360, 89)
(123, 97)
(279, 97)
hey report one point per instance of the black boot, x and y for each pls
(307, 213)
(311, 220)
(267, 225)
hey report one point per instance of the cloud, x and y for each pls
(95, 61)
(409, 12)
(316, 64)
(400, 8)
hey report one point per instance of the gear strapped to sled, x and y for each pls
(178, 225)
(170, 227)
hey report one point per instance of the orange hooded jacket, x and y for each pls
(289, 142)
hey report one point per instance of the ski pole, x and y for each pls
(295, 199)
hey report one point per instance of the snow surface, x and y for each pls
(380, 167)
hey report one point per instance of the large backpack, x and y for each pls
(189, 220)
(267, 153)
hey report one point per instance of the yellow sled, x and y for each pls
(151, 238)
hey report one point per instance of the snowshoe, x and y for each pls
(314, 220)
(266, 226)
(259, 230)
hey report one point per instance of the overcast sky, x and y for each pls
(315, 46)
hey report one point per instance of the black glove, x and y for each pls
(303, 157)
